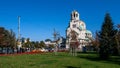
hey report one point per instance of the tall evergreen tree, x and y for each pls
(106, 36)
(118, 39)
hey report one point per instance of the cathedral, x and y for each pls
(83, 36)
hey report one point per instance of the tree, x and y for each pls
(51, 46)
(12, 38)
(2, 36)
(41, 44)
(118, 39)
(73, 43)
(95, 41)
(36, 44)
(47, 40)
(106, 37)
(7, 38)
(27, 44)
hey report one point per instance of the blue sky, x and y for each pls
(40, 17)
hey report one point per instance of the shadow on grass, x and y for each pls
(71, 67)
(93, 52)
(94, 57)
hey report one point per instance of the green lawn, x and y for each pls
(62, 60)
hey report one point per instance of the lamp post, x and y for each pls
(19, 45)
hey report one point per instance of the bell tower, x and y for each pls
(75, 15)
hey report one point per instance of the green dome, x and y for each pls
(81, 27)
(88, 32)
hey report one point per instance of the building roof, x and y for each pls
(89, 32)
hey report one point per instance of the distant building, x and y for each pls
(60, 42)
(77, 25)
(49, 42)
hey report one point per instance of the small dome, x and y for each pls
(88, 32)
(81, 27)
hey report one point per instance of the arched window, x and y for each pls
(76, 15)
(74, 25)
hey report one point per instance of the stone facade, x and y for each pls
(77, 25)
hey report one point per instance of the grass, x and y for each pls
(62, 60)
